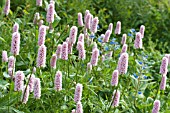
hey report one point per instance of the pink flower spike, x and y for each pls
(53, 61)
(41, 35)
(15, 27)
(110, 27)
(142, 30)
(156, 106)
(107, 36)
(58, 51)
(39, 3)
(94, 25)
(94, 58)
(10, 72)
(15, 44)
(164, 66)
(118, 28)
(79, 107)
(163, 82)
(87, 12)
(36, 18)
(7, 7)
(123, 63)
(89, 67)
(168, 57)
(81, 38)
(41, 59)
(31, 82)
(64, 53)
(78, 92)
(81, 50)
(115, 76)
(19, 81)
(73, 34)
(11, 62)
(116, 98)
(124, 39)
(88, 21)
(70, 47)
(58, 81)
(50, 13)
(138, 41)
(124, 49)
(37, 88)
(80, 19)
(25, 94)
(4, 56)
(94, 46)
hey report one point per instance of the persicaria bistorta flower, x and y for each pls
(58, 51)
(64, 53)
(94, 46)
(53, 61)
(124, 48)
(7, 7)
(10, 72)
(73, 34)
(87, 12)
(19, 81)
(123, 63)
(164, 66)
(116, 98)
(41, 59)
(25, 94)
(94, 25)
(50, 13)
(58, 81)
(78, 92)
(168, 57)
(156, 106)
(15, 27)
(94, 58)
(124, 39)
(163, 82)
(70, 47)
(37, 88)
(41, 35)
(142, 30)
(107, 36)
(88, 21)
(89, 67)
(36, 18)
(110, 27)
(79, 107)
(15, 44)
(39, 2)
(81, 38)
(11, 62)
(115, 76)
(80, 19)
(31, 82)
(118, 28)
(4, 56)
(138, 41)
(81, 50)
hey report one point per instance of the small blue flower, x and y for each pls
(133, 30)
(92, 36)
(100, 52)
(145, 77)
(135, 75)
(106, 48)
(139, 92)
(98, 27)
(117, 47)
(99, 40)
(140, 62)
(129, 34)
(113, 39)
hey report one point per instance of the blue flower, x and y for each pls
(98, 27)
(129, 34)
(133, 30)
(106, 48)
(140, 62)
(100, 52)
(92, 36)
(135, 75)
(117, 47)
(139, 92)
(145, 77)
(99, 39)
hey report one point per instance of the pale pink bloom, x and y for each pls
(163, 82)
(73, 34)
(15, 44)
(89, 67)
(94, 46)
(91, 21)
(7, 7)
(53, 61)
(70, 47)
(80, 19)
(107, 36)
(164, 66)
(37, 88)
(11, 62)
(124, 49)
(15, 27)
(36, 18)
(156, 106)
(116, 98)
(81, 50)
(87, 12)
(50, 13)
(118, 28)
(10, 72)
(41, 35)
(142, 30)
(81, 38)
(79, 107)
(138, 41)
(58, 51)
(58, 81)
(109, 55)
(31, 82)
(168, 57)
(115, 76)
(88, 21)
(94, 25)
(38, 2)
(40, 23)
(78, 92)
(41, 58)
(110, 27)
(4, 56)
(124, 39)
(94, 57)
(123, 63)
(64, 53)
(19, 81)
(25, 94)
(73, 111)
